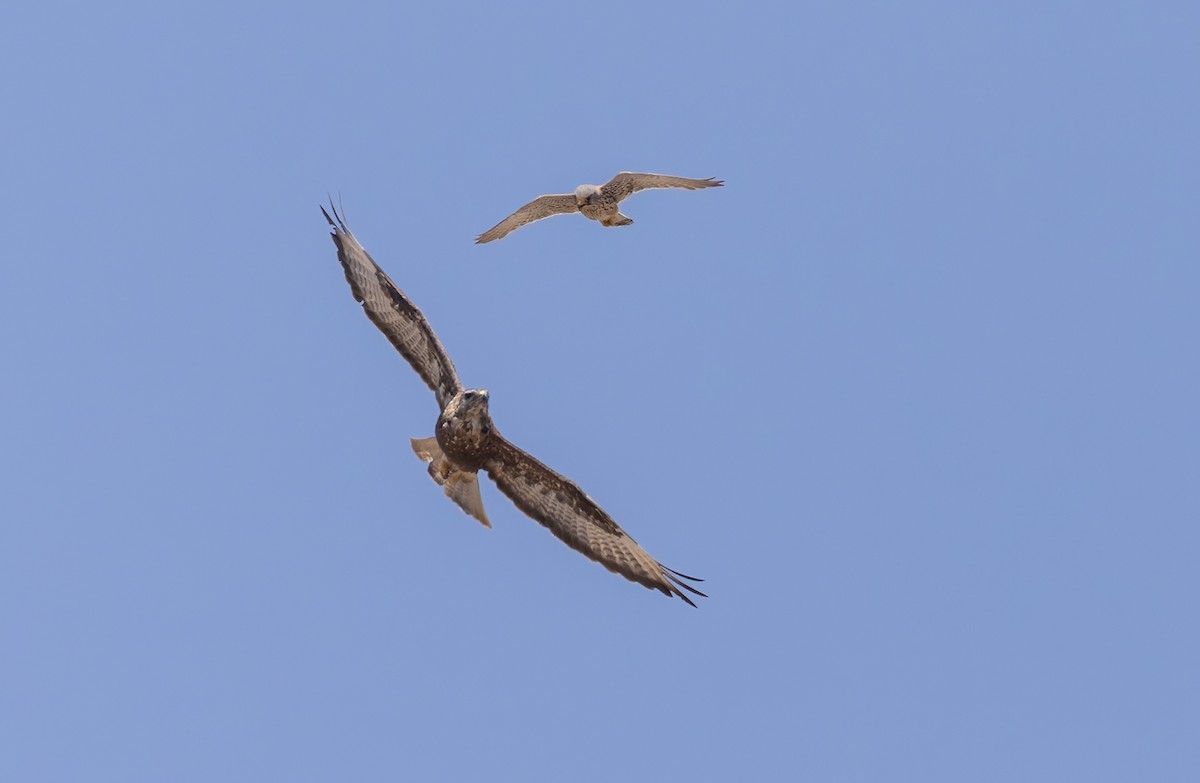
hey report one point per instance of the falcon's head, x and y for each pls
(464, 428)
(585, 192)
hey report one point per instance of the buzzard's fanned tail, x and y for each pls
(459, 485)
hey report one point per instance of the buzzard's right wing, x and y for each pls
(390, 310)
(540, 207)
(560, 505)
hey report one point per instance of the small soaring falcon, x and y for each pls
(466, 441)
(598, 202)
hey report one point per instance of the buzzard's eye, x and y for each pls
(485, 429)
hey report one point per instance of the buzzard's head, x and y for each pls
(472, 403)
(469, 406)
(464, 428)
(585, 192)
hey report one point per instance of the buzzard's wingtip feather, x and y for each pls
(675, 582)
(682, 576)
(689, 588)
(340, 224)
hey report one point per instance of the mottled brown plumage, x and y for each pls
(592, 201)
(465, 440)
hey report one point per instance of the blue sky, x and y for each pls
(916, 392)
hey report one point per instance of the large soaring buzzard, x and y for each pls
(466, 441)
(598, 202)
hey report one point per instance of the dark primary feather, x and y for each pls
(397, 317)
(561, 506)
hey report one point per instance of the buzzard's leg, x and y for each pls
(428, 450)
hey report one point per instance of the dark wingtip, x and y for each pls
(681, 576)
(340, 224)
(676, 581)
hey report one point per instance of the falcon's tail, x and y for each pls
(460, 486)
(617, 220)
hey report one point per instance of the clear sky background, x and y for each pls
(916, 392)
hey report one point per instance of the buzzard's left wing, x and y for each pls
(560, 505)
(397, 317)
(629, 182)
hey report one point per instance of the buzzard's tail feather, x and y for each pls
(459, 485)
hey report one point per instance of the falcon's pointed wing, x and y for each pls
(629, 182)
(540, 207)
(560, 505)
(398, 318)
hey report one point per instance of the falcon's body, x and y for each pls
(597, 202)
(466, 441)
